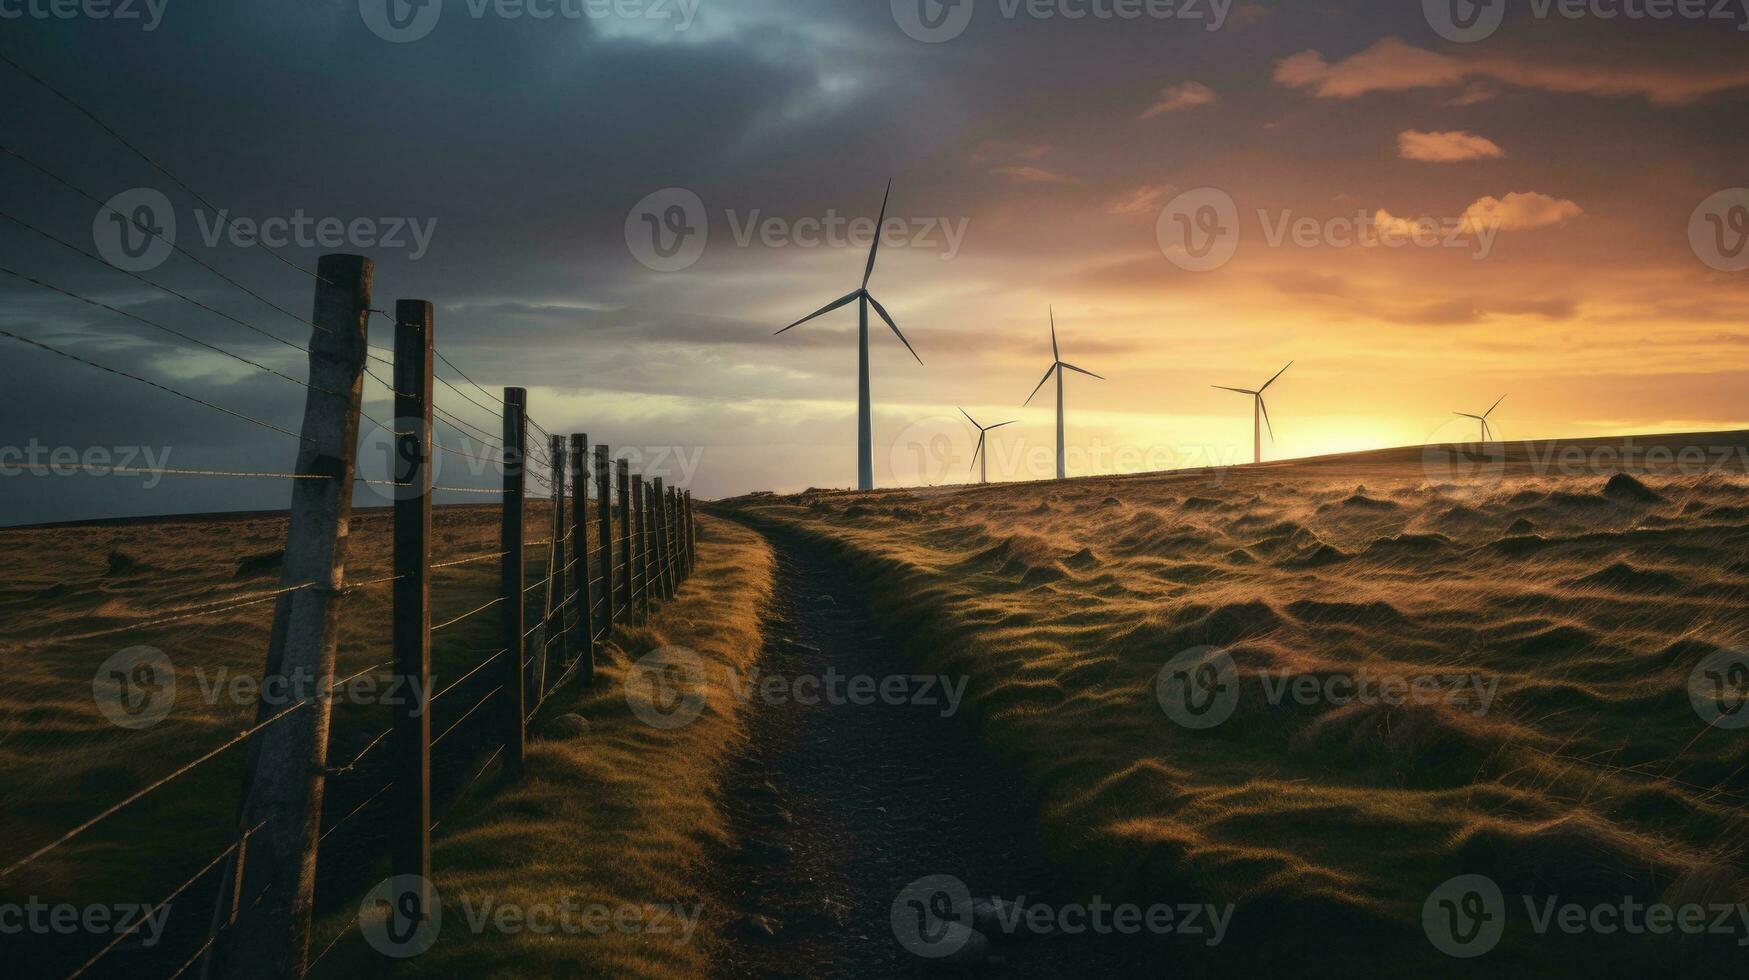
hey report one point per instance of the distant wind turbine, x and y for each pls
(1259, 413)
(864, 429)
(981, 455)
(1057, 366)
(1483, 418)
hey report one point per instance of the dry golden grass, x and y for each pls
(621, 811)
(1591, 774)
(620, 816)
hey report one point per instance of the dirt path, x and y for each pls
(841, 805)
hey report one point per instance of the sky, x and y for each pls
(616, 205)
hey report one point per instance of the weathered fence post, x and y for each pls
(604, 539)
(556, 592)
(581, 642)
(624, 471)
(660, 527)
(691, 531)
(640, 548)
(515, 703)
(409, 827)
(678, 553)
(282, 791)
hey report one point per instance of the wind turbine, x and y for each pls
(864, 431)
(1483, 418)
(1259, 413)
(981, 455)
(1057, 366)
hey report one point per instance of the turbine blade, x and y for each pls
(1492, 407)
(1266, 423)
(829, 307)
(1054, 355)
(1487, 431)
(1242, 391)
(1271, 381)
(1467, 415)
(969, 418)
(876, 245)
(1090, 374)
(999, 425)
(883, 312)
(1041, 384)
(975, 452)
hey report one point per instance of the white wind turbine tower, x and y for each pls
(1483, 418)
(1057, 366)
(981, 455)
(1259, 413)
(864, 427)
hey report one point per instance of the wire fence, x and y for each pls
(335, 795)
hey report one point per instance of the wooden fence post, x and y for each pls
(410, 826)
(625, 537)
(691, 530)
(659, 525)
(678, 554)
(555, 602)
(282, 791)
(581, 642)
(604, 539)
(515, 703)
(640, 548)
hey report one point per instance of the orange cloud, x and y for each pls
(1034, 175)
(1149, 197)
(1518, 212)
(1449, 147)
(1391, 65)
(1184, 96)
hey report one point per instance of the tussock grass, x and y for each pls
(1589, 775)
